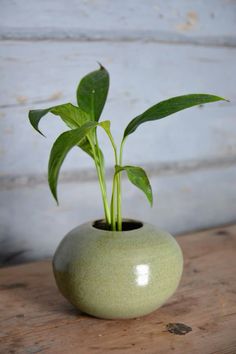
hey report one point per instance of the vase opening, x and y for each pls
(127, 225)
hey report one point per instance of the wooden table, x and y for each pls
(36, 319)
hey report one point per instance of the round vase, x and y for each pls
(118, 275)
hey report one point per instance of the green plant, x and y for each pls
(83, 121)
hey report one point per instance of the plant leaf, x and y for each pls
(139, 178)
(92, 92)
(74, 117)
(168, 107)
(106, 125)
(64, 143)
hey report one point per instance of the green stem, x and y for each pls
(100, 172)
(119, 190)
(100, 162)
(101, 180)
(113, 215)
(118, 201)
(114, 186)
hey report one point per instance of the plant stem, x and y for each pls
(119, 190)
(114, 186)
(101, 179)
(118, 201)
(104, 196)
(101, 167)
(113, 215)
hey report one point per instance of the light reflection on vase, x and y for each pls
(142, 274)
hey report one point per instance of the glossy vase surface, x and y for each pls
(118, 275)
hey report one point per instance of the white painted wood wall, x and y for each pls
(153, 50)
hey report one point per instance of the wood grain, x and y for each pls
(35, 318)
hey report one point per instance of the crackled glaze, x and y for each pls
(117, 274)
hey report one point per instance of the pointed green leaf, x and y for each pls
(139, 178)
(92, 92)
(168, 107)
(35, 117)
(71, 115)
(106, 125)
(64, 143)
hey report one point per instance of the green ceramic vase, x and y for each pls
(118, 275)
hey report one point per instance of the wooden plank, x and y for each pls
(35, 318)
(40, 78)
(182, 202)
(168, 20)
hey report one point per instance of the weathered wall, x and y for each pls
(153, 50)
